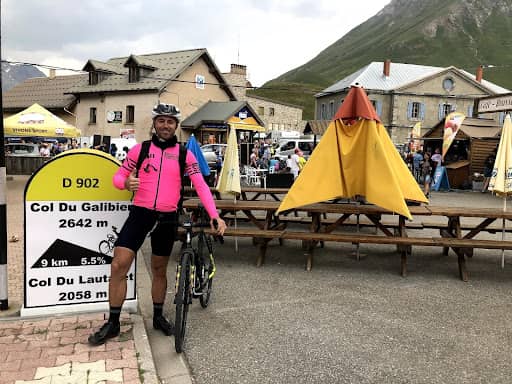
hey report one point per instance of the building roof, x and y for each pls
(217, 112)
(160, 69)
(371, 77)
(472, 127)
(316, 127)
(45, 91)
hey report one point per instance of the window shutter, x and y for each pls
(501, 118)
(470, 110)
(440, 111)
(422, 111)
(378, 107)
(409, 109)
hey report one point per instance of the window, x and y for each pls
(133, 74)
(448, 84)
(130, 114)
(445, 109)
(415, 113)
(92, 115)
(261, 111)
(415, 110)
(271, 111)
(322, 112)
(93, 78)
(331, 109)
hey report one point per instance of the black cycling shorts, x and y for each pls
(142, 220)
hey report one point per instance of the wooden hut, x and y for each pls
(316, 128)
(475, 140)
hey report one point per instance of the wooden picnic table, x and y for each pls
(257, 191)
(393, 228)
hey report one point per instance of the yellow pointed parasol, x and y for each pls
(356, 159)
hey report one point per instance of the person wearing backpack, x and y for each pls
(153, 170)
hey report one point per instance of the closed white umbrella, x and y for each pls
(501, 179)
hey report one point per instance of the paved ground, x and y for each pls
(350, 321)
(346, 321)
(55, 350)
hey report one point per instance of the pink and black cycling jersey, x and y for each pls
(160, 179)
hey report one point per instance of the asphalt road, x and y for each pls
(353, 321)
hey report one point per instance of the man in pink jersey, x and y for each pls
(157, 191)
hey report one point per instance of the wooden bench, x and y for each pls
(311, 239)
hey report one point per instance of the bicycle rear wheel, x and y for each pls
(182, 300)
(204, 273)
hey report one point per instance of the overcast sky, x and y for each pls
(271, 37)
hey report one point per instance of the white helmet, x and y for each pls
(163, 109)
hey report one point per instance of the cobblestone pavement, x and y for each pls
(54, 349)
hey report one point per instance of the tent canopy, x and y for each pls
(38, 121)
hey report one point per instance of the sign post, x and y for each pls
(72, 216)
(440, 179)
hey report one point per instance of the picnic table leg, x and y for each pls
(262, 251)
(404, 249)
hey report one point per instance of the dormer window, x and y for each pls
(133, 74)
(93, 78)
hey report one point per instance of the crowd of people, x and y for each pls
(423, 166)
(263, 157)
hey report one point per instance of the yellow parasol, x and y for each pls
(357, 159)
(38, 121)
(501, 179)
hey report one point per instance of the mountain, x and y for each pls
(462, 33)
(13, 74)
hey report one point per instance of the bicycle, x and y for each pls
(194, 271)
(107, 246)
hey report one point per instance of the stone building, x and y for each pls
(277, 116)
(404, 94)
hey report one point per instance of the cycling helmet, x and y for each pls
(163, 109)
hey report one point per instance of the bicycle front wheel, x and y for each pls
(205, 272)
(182, 301)
(104, 247)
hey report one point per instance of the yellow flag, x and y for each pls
(351, 160)
(415, 135)
(452, 124)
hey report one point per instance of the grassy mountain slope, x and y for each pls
(463, 33)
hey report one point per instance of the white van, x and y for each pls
(288, 146)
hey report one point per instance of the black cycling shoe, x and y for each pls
(107, 331)
(164, 325)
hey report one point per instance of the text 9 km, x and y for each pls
(80, 182)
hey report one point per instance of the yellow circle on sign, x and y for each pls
(76, 175)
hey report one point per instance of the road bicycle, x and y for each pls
(194, 271)
(107, 246)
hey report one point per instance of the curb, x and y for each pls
(144, 355)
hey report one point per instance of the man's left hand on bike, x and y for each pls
(221, 226)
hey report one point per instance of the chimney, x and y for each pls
(239, 69)
(479, 73)
(52, 73)
(387, 67)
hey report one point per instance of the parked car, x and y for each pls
(210, 152)
(288, 147)
(22, 149)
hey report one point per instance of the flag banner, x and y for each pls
(415, 135)
(452, 124)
